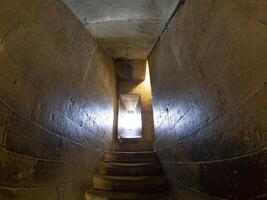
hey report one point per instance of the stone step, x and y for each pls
(129, 140)
(129, 183)
(130, 157)
(106, 195)
(130, 169)
(133, 147)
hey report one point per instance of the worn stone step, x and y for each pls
(129, 183)
(106, 195)
(130, 140)
(133, 147)
(130, 169)
(130, 157)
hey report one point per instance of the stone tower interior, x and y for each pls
(133, 100)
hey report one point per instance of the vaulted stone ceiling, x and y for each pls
(127, 29)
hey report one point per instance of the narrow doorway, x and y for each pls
(129, 118)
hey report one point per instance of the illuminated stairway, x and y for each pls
(129, 175)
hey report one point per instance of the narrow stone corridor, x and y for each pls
(132, 100)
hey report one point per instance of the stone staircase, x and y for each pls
(132, 173)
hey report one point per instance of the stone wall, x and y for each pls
(57, 97)
(209, 84)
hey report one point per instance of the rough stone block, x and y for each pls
(16, 171)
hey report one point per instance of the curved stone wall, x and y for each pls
(57, 98)
(209, 89)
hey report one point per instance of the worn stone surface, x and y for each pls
(182, 191)
(209, 90)
(126, 29)
(4, 113)
(68, 191)
(15, 170)
(29, 193)
(124, 175)
(57, 100)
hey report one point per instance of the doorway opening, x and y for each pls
(129, 117)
